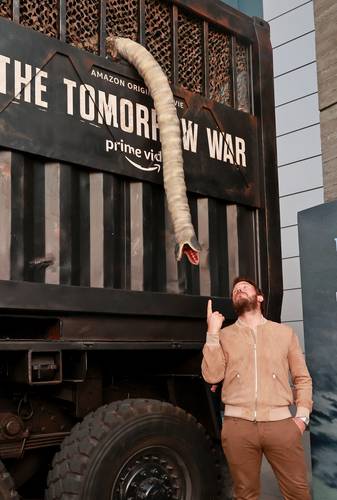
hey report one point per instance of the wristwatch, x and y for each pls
(306, 420)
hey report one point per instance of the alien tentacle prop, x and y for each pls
(170, 136)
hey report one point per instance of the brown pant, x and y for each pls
(245, 442)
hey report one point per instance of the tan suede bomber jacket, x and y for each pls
(254, 367)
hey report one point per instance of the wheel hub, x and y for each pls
(153, 488)
(150, 476)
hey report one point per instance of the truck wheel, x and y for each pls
(136, 450)
(7, 488)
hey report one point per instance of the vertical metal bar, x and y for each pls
(269, 219)
(158, 215)
(141, 22)
(203, 236)
(218, 247)
(250, 80)
(234, 75)
(117, 259)
(175, 51)
(66, 241)
(102, 28)
(75, 227)
(52, 221)
(205, 82)
(126, 236)
(81, 214)
(233, 243)
(33, 220)
(5, 214)
(172, 282)
(96, 231)
(257, 247)
(17, 218)
(35, 242)
(112, 235)
(137, 240)
(246, 239)
(62, 20)
(16, 11)
(154, 238)
(150, 257)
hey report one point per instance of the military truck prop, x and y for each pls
(101, 328)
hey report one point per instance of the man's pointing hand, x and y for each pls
(214, 319)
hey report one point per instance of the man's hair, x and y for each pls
(251, 282)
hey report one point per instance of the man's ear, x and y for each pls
(260, 298)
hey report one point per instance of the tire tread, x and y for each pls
(70, 463)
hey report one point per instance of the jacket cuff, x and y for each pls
(302, 411)
(213, 339)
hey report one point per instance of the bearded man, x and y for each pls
(254, 358)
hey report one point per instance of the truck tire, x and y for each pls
(7, 488)
(136, 449)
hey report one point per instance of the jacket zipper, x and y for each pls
(255, 366)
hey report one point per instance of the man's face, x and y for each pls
(245, 298)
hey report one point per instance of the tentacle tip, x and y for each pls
(191, 253)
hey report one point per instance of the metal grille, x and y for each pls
(121, 18)
(220, 67)
(242, 77)
(158, 33)
(83, 23)
(6, 8)
(190, 52)
(41, 16)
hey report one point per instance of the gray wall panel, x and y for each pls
(289, 242)
(290, 205)
(299, 145)
(294, 54)
(298, 83)
(292, 306)
(300, 176)
(297, 326)
(297, 115)
(295, 23)
(273, 9)
(291, 273)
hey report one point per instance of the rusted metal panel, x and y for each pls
(5, 214)
(109, 235)
(52, 222)
(96, 230)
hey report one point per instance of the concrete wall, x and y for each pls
(326, 36)
(298, 135)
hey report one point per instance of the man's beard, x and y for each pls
(245, 304)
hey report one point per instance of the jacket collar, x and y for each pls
(239, 322)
